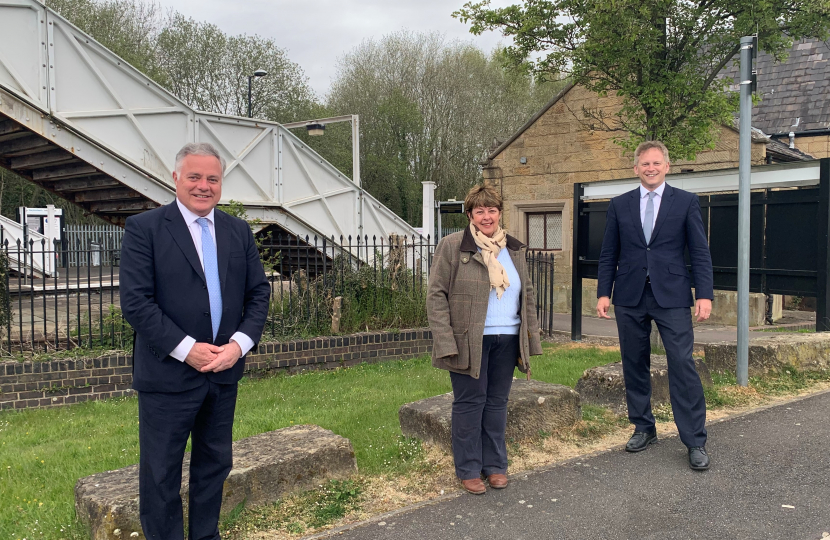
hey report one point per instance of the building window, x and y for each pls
(544, 230)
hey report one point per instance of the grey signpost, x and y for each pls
(744, 165)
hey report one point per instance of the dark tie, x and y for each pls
(648, 222)
(211, 275)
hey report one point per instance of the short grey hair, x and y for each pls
(648, 145)
(199, 149)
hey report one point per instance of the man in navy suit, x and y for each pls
(646, 234)
(194, 291)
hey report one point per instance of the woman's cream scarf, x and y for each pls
(490, 248)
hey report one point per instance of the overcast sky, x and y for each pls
(315, 33)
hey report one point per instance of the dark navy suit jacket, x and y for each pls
(164, 295)
(625, 259)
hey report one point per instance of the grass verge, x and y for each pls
(43, 452)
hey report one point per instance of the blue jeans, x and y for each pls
(479, 410)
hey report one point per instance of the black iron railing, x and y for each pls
(351, 285)
(59, 298)
(48, 304)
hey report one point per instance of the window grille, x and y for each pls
(544, 230)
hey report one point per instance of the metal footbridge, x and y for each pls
(82, 123)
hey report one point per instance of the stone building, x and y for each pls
(537, 167)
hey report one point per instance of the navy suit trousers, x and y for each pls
(685, 388)
(166, 419)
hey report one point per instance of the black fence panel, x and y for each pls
(351, 284)
(592, 229)
(789, 235)
(782, 252)
(722, 229)
(792, 234)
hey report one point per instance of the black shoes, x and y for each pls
(640, 441)
(698, 459)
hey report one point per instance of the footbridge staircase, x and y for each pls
(80, 122)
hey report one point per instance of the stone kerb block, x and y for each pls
(533, 406)
(604, 385)
(806, 352)
(265, 468)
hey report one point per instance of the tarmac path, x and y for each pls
(770, 478)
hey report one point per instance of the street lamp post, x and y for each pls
(258, 73)
(318, 127)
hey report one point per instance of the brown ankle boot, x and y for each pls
(474, 486)
(497, 481)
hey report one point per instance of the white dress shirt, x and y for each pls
(183, 349)
(658, 196)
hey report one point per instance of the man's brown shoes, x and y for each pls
(497, 481)
(474, 486)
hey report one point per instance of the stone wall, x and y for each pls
(774, 354)
(62, 382)
(817, 146)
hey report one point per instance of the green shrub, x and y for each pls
(384, 295)
(5, 299)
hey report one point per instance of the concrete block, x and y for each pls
(604, 386)
(725, 309)
(533, 406)
(777, 307)
(265, 468)
(806, 352)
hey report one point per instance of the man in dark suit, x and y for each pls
(194, 291)
(646, 234)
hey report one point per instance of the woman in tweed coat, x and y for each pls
(482, 313)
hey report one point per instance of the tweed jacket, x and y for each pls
(457, 298)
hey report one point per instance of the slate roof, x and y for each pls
(795, 97)
(795, 93)
(779, 152)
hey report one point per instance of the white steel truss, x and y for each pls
(62, 85)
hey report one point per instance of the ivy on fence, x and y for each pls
(5, 298)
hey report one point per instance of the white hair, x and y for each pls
(199, 149)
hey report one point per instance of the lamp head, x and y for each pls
(316, 130)
(260, 73)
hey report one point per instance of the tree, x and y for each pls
(196, 61)
(209, 70)
(127, 27)
(661, 57)
(429, 110)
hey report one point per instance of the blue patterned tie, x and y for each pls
(648, 221)
(211, 275)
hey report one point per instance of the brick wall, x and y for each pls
(62, 382)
